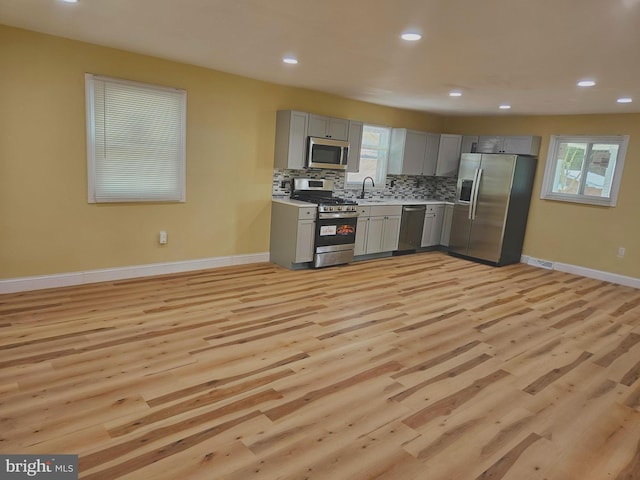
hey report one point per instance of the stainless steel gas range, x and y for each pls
(336, 221)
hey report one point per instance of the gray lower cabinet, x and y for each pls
(362, 229)
(432, 231)
(378, 229)
(446, 225)
(305, 240)
(390, 232)
(292, 234)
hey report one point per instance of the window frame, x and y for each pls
(546, 192)
(380, 184)
(142, 197)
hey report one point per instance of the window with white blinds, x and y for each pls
(135, 141)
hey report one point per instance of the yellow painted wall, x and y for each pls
(582, 235)
(46, 224)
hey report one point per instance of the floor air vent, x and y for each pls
(536, 262)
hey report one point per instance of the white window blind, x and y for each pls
(135, 141)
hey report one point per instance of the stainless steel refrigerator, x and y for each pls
(491, 208)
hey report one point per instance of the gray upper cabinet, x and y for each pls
(429, 166)
(407, 152)
(413, 152)
(469, 144)
(448, 155)
(518, 144)
(328, 127)
(291, 138)
(355, 141)
(488, 144)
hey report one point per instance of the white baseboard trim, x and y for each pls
(23, 284)
(582, 271)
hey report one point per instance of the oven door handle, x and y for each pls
(323, 216)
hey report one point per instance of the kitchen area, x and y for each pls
(318, 219)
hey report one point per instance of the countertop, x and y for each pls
(367, 201)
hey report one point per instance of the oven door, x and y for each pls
(336, 229)
(335, 238)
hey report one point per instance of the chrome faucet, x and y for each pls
(363, 182)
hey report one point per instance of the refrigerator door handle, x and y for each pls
(475, 196)
(473, 193)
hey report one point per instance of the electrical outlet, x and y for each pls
(163, 237)
(621, 251)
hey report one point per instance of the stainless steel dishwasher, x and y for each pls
(411, 225)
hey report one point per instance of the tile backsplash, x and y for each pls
(396, 187)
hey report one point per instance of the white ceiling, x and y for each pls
(527, 53)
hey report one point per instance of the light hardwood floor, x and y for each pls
(415, 367)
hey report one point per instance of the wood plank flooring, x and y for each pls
(415, 367)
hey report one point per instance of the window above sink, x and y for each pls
(374, 155)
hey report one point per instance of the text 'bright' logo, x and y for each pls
(16, 467)
(30, 468)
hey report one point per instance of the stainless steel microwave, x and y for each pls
(327, 153)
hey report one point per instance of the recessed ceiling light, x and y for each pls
(455, 93)
(625, 100)
(586, 83)
(70, 1)
(411, 36)
(504, 106)
(290, 60)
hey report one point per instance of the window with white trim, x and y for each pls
(135, 141)
(584, 169)
(374, 154)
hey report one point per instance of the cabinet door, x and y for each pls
(338, 129)
(489, 144)
(469, 144)
(305, 240)
(448, 155)
(355, 142)
(391, 233)
(436, 232)
(415, 149)
(318, 126)
(446, 225)
(431, 154)
(523, 145)
(329, 127)
(429, 219)
(361, 236)
(291, 137)
(374, 234)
